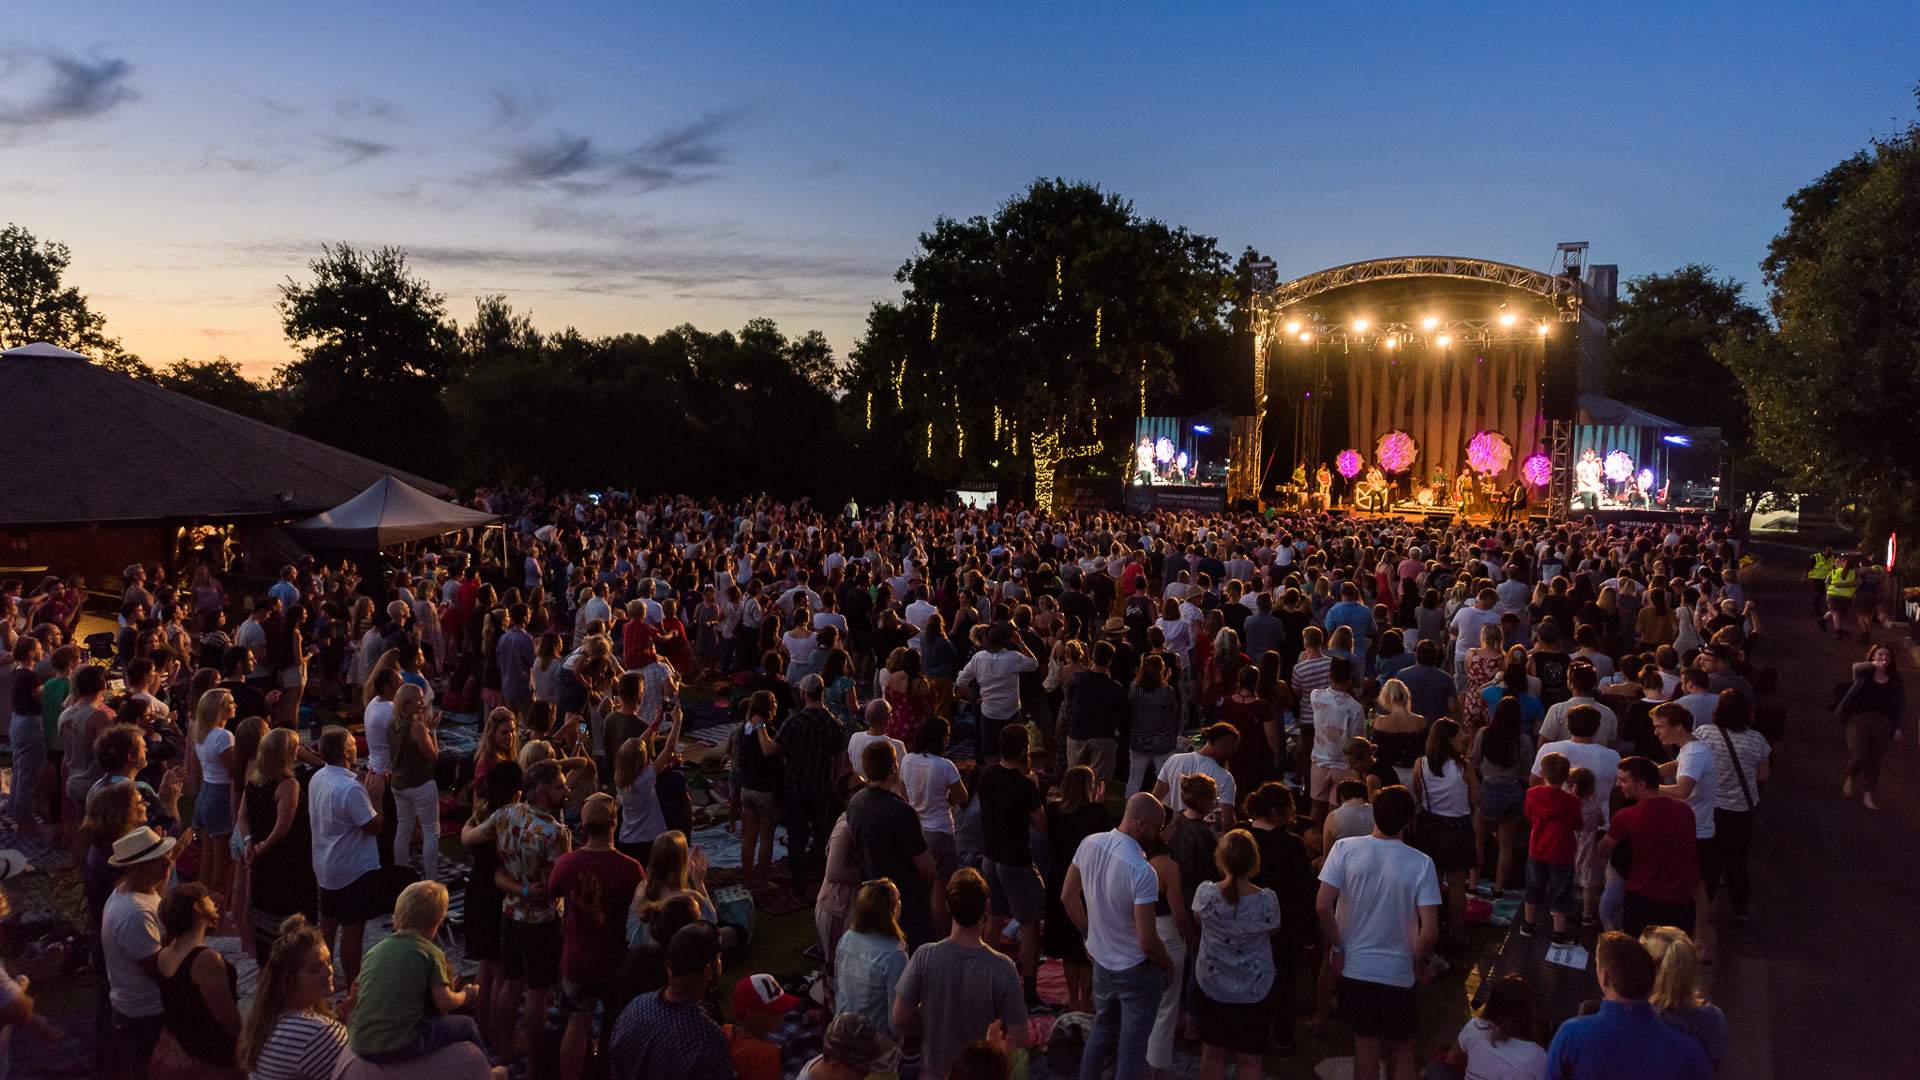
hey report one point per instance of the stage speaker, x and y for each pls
(1560, 374)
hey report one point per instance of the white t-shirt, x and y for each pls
(1509, 1059)
(1116, 878)
(1337, 717)
(1180, 766)
(337, 808)
(129, 933)
(928, 778)
(1469, 621)
(1383, 884)
(379, 723)
(208, 750)
(1697, 763)
(858, 742)
(1603, 760)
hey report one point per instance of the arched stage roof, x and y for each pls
(1557, 289)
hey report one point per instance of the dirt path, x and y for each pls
(1825, 978)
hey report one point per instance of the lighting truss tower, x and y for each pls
(1560, 481)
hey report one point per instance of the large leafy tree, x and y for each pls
(1034, 328)
(37, 304)
(221, 383)
(1835, 394)
(1663, 336)
(376, 348)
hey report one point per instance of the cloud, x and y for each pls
(690, 153)
(260, 165)
(69, 89)
(352, 150)
(512, 109)
(362, 107)
(274, 107)
(216, 333)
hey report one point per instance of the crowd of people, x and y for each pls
(1235, 773)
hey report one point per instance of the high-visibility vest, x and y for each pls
(1822, 568)
(1843, 583)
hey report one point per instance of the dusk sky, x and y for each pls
(628, 167)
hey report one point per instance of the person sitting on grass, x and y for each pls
(759, 1004)
(400, 977)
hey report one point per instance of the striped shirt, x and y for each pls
(1752, 748)
(303, 1046)
(1308, 676)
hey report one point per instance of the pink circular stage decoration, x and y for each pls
(1396, 451)
(1538, 469)
(1348, 462)
(1618, 466)
(1489, 452)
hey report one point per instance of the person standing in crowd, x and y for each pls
(1663, 857)
(531, 839)
(26, 734)
(1010, 805)
(1235, 972)
(211, 768)
(346, 857)
(1096, 710)
(199, 990)
(991, 680)
(667, 1034)
(1873, 711)
(1217, 746)
(1625, 1039)
(1109, 894)
(416, 750)
(1740, 757)
(596, 885)
(953, 989)
(1379, 909)
(1337, 717)
(1448, 792)
(279, 852)
(1079, 812)
(1694, 775)
(1677, 997)
(887, 842)
(807, 744)
(1553, 819)
(934, 788)
(130, 941)
(871, 956)
(1155, 712)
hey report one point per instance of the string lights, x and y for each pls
(933, 332)
(929, 439)
(1059, 285)
(1096, 327)
(869, 410)
(1047, 456)
(899, 380)
(996, 423)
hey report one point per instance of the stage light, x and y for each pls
(1429, 323)
(1508, 318)
(1202, 429)
(1359, 326)
(1543, 329)
(1293, 326)
(1306, 335)
(1677, 440)
(1443, 340)
(1390, 341)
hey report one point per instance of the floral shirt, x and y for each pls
(1236, 963)
(529, 842)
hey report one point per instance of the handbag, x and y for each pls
(1738, 769)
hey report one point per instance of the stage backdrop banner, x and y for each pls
(1442, 396)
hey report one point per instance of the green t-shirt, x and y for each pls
(395, 979)
(53, 698)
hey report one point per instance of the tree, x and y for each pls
(1662, 341)
(36, 304)
(1835, 394)
(376, 348)
(1041, 328)
(219, 383)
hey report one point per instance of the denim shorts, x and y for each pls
(1502, 800)
(213, 809)
(1550, 884)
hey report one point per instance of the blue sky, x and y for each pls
(630, 167)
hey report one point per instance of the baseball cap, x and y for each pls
(692, 949)
(597, 810)
(762, 993)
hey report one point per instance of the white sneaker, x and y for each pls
(1846, 786)
(1867, 801)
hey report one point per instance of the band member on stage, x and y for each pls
(1323, 488)
(1587, 483)
(1372, 492)
(1143, 461)
(1516, 500)
(1463, 490)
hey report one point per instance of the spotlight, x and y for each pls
(1306, 335)
(1293, 326)
(1508, 318)
(1390, 341)
(1443, 340)
(1429, 323)
(1543, 329)
(1359, 326)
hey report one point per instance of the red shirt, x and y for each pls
(1663, 859)
(598, 887)
(636, 643)
(1553, 816)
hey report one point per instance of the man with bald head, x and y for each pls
(1109, 893)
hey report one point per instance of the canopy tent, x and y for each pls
(390, 512)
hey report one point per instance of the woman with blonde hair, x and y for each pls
(1399, 734)
(636, 770)
(673, 869)
(871, 955)
(1235, 968)
(1677, 996)
(290, 1032)
(213, 770)
(279, 855)
(499, 742)
(416, 750)
(388, 661)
